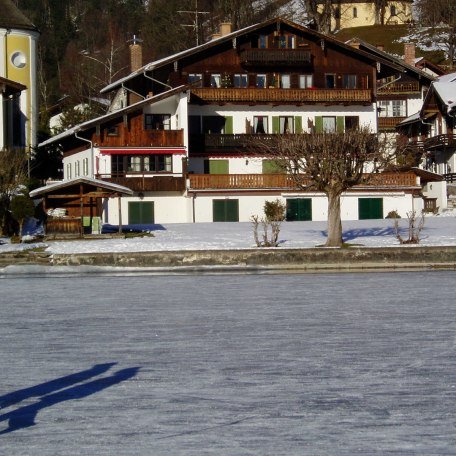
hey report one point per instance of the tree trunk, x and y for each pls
(334, 223)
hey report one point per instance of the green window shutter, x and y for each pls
(318, 124)
(298, 124)
(140, 212)
(370, 208)
(225, 210)
(218, 167)
(271, 167)
(340, 124)
(299, 209)
(229, 125)
(275, 125)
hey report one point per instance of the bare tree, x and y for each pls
(13, 174)
(439, 19)
(332, 163)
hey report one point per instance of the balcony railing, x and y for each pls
(389, 123)
(274, 57)
(142, 138)
(436, 142)
(450, 177)
(400, 87)
(147, 182)
(284, 181)
(279, 96)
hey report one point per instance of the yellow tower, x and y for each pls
(18, 42)
(361, 13)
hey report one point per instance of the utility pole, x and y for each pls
(195, 24)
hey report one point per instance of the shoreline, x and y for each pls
(353, 259)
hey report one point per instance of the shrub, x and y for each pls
(393, 215)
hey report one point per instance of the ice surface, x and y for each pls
(333, 364)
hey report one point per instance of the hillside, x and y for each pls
(392, 37)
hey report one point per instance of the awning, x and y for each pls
(144, 151)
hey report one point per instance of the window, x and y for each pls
(286, 124)
(77, 168)
(240, 80)
(112, 131)
(349, 81)
(392, 108)
(263, 41)
(261, 81)
(305, 81)
(197, 78)
(370, 208)
(216, 80)
(157, 121)
(140, 164)
(285, 42)
(285, 81)
(260, 124)
(85, 166)
(68, 170)
(355, 12)
(330, 81)
(351, 122)
(393, 10)
(329, 124)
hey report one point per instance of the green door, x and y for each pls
(299, 209)
(370, 208)
(141, 213)
(225, 210)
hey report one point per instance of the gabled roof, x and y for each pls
(109, 186)
(202, 47)
(445, 89)
(12, 17)
(386, 56)
(113, 115)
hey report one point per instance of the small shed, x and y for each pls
(75, 206)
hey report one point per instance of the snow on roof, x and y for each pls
(445, 87)
(90, 123)
(410, 119)
(80, 180)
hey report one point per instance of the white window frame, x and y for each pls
(305, 81)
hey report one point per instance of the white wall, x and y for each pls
(437, 190)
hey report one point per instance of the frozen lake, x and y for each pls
(305, 364)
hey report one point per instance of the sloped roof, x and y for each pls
(385, 55)
(12, 17)
(80, 180)
(445, 89)
(112, 115)
(9, 87)
(188, 52)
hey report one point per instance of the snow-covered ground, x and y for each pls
(228, 365)
(438, 231)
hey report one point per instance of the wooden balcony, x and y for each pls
(284, 181)
(450, 177)
(440, 141)
(283, 96)
(273, 57)
(147, 182)
(142, 138)
(235, 143)
(389, 123)
(400, 88)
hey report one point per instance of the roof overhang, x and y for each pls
(143, 150)
(106, 187)
(427, 176)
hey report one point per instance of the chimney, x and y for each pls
(354, 43)
(135, 54)
(381, 47)
(215, 36)
(409, 53)
(225, 28)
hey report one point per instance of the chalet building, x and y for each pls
(432, 131)
(18, 42)
(185, 132)
(401, 95)
(361, 13)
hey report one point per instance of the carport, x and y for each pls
(74, 207)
